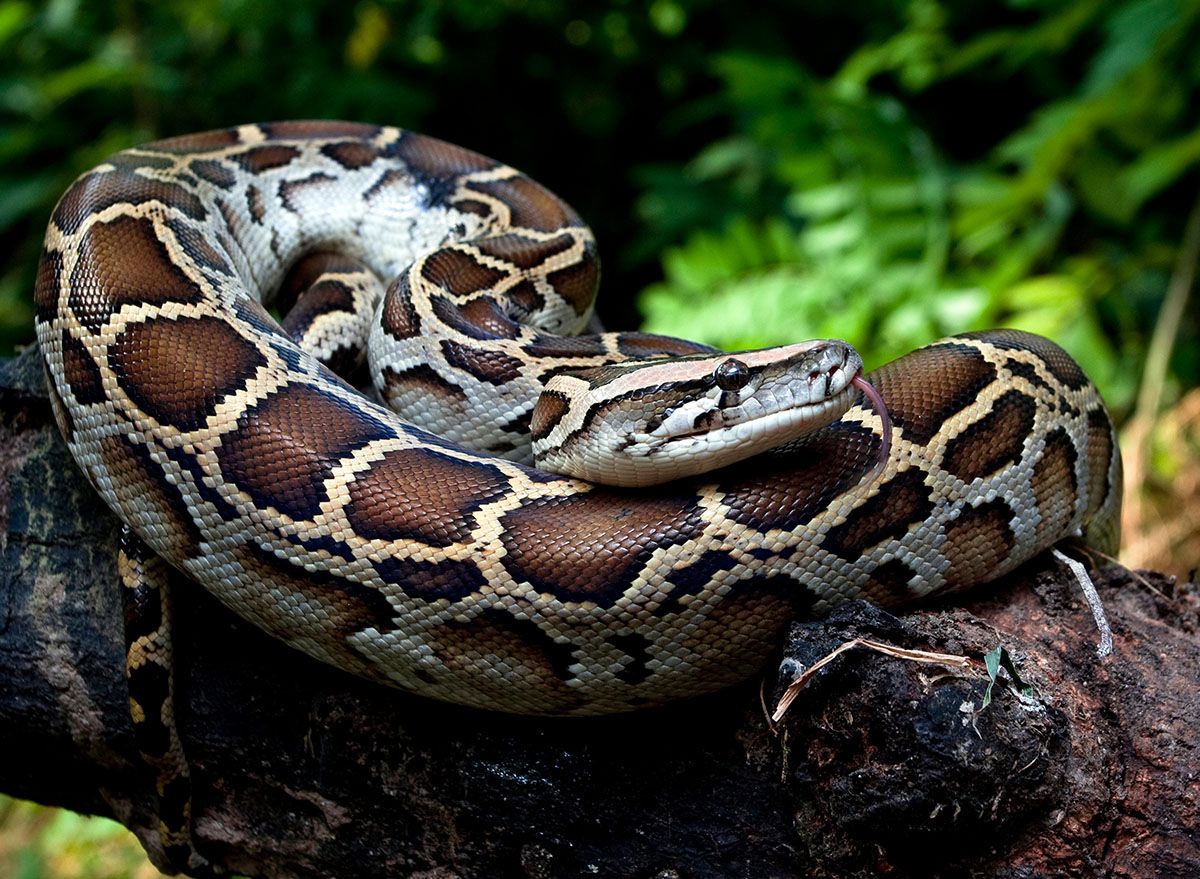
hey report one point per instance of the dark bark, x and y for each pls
(882, 766)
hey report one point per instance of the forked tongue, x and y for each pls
(885, 423)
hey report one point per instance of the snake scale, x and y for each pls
(234, 455)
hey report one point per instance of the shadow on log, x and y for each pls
(881, 767)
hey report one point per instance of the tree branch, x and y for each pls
(882, 766)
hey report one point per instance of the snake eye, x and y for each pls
(731, 374)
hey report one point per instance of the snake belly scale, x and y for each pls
(403, 556)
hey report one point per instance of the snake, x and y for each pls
(414, 533)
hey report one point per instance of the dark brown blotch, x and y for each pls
(256, 204)
(418, 494)
(900, 504)
(148, 688)
(1028, 372)
(400, 318)
(213, 171)
(267, 157)
(493, 367)
(428, 156)
(48, 285)
(175, 810)
(1101, 448)
(389, 178)
(636, 648)
(230, 218)
(525, 297)
(451, 580)
(978, 542)
(255, 315)
(577, 283)
(549, 410)
(891, 583)
(62, 415)
(287, 445)
(345, 606)
(75, 204)
(458, 272)
(523, 252)
(351, 154)
(203, 141)
(996, 439)
(517, 425)
(749, 622)
(177, 371)
(552, 346)
(539, 664)
(645, 346)
(926, 388)
(417, 380)
(123, 262)
(99, 190)
(308, 268)
(81, 372)
(480, 318)
(786, 490)
(141, 599)
(1055, 487)
(323, 298)
(277, 244)
(199, 249)
(129, 160)
(591, 547)
(530, 204)
(694, 579)
(319, 129)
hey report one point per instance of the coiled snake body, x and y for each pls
(335, 525)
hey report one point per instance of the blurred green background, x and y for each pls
(882, 171)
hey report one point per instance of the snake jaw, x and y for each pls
(687, 419)
(742, 437)
(658, 421)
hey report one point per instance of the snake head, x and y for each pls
(645, 422)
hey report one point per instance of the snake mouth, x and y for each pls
(730, 443)
(782, 423)
(681, 418)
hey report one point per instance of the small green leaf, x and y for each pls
(13, 15)
(998, 659)
(1160, 166)
(1134, 31)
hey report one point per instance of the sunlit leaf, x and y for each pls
(13, 15)
(370, 33)
(1160, 166)
(1133, 33)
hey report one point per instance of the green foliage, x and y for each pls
(852, 203)
(41, 843)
